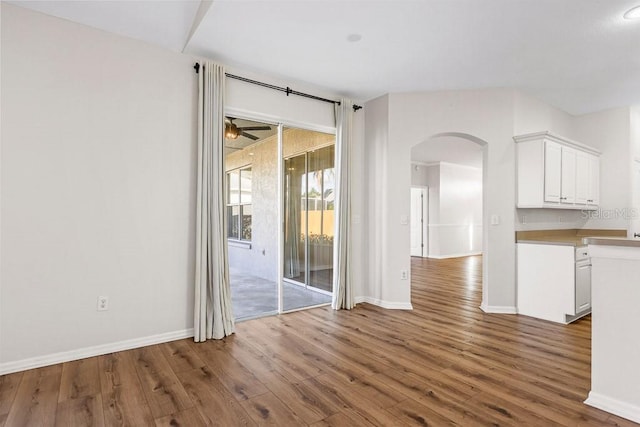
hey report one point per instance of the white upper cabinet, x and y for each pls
(555, 172)
(593, 176)
(582, 177)
(552, 172)
(587, 179)
(568, 176)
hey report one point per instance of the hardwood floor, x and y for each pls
(444, 363)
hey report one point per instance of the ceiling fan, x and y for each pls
(232, 131)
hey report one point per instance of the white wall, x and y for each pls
(610, 132)
(98, 186)
(419, 174)
(455, 208)
(457, 230)
(433, 182)
(263, 103)
(403, 120)
(550, 219)
(376, 133)
(533, 115)
(359, 248)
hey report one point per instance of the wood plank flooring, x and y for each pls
(444, 363)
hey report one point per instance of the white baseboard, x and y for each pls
(98, 350)
(385, 304)
(614, 406)
(499, 309)
(460, 255)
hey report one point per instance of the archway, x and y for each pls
(453, 168)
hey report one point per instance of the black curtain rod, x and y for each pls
(286, 90)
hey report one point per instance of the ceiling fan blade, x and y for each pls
(248, 135)
(255, 128)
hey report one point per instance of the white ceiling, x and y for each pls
(163, 23)
(448, 149)
(579, 55)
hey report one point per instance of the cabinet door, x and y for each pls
(583, 286)
(583, 178)
(552, 171)
(593, 195)
(568, 176)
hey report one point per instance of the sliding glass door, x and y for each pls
(278, 176)
(295, 217)
(309, 194)
(320, 217)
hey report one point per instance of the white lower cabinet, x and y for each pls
(583, 286)
(552, 285)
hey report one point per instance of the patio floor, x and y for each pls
(253, 296)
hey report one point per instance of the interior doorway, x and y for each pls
(453, 167)
(419, 221)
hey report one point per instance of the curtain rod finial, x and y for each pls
(197, 67)
(357, 107)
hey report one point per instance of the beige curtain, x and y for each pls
(343, 297)
(293, 231)
(213, 317)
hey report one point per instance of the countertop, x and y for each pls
(613, 241)
(569, 237)
(556, 241)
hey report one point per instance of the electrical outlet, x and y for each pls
(103, 303)
(404, 274)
